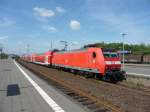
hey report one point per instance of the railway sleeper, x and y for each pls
(63, 89)
(69, 92)
(60, 87)
(92, 106)
(88, 102)
(101, 110)
(83, 99)
(78, 97)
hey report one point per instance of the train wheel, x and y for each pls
(90, 75)
(113, 79)
(75, 72)
(96, 76)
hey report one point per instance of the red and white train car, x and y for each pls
(95, 61)
(43, 58)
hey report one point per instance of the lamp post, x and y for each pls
(1, 50)
(65, 43)
(51, 45)
(123, 35)
(28, 48)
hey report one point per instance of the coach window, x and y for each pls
(94, 55)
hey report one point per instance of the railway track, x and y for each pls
(90, 99)
(87, 100)
(142, 91)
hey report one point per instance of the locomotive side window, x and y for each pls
(106, 55)
(94, 55)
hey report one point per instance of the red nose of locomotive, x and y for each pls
(113, 64)
(113, 67)
(112, 61)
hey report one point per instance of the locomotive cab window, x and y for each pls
(110, 55)
(94, 55)
(114, 55)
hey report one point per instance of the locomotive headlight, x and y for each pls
(108, 62)
(117, 62)
(112, 62)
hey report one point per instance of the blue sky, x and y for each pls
(79, 22)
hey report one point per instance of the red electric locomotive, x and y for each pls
(91, 61)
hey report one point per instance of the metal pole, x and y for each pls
(51, 45)
(65, 45)
(28, 48)
(1, 50)
(123, 35)
(123, 52)
(0, 55)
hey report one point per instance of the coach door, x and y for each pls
(33, 58)
(92, 60)
(46, 59)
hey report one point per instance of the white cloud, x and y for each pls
(20, 42)
(5, 22)
(74, 25)
(3, 38)
(52, 29)
(60, 9)
(43, 12)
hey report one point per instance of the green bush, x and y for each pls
(3, 56)
(134, 48)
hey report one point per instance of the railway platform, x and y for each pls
(138, 70)
(138, 65)
(22, 91)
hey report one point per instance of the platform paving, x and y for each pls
(17, 94)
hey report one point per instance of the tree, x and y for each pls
(135, 48)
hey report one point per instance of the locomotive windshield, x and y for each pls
(110, 55)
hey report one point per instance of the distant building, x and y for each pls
(124, 52)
